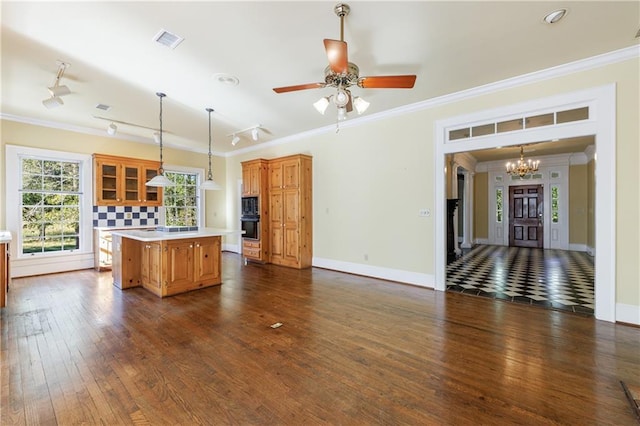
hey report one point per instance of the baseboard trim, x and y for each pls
(232, 247)
(578, 247)
(406, 277)
(483, 241)
(591, 251)
(50, 265)
(629, 314)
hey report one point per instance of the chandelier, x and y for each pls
(522, 168)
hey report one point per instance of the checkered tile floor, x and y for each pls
(555, 279)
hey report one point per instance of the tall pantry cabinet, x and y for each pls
(290, 207)
(285, 210)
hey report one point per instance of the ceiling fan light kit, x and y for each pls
(342, 74)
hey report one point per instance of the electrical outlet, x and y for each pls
(424, 212)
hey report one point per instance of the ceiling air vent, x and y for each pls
(168, 39)
(103, 107)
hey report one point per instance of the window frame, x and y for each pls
(200, 196)
(13, 208)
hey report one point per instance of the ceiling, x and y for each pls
(450, 46)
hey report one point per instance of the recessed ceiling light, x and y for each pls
(555, 16)
(228, 79)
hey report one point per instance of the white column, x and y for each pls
(468, 210)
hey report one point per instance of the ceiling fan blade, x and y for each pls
(387, 82)
(299, 87)
(337, 55)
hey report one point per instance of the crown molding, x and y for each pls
(621, 55)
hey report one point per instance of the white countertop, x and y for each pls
(5, 237)
(153, 235)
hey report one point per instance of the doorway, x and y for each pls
(526, 216)
(455, 135)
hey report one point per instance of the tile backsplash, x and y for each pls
(125, 216)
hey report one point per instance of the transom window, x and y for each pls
(50, 205)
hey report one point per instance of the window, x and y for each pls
(50, 205)
(555, 207)
(181, 200)
(499, 205)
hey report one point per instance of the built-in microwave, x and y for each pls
(250, 207)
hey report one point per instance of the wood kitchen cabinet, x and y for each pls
(167, 267)
(290, 211)
(255, 184)
(151, 267)
(254, 177)
(5, 276)
(121, 181)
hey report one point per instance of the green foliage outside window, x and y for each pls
(50, 206)
(499, 205)
(180, 200)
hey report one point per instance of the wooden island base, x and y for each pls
(167, 267)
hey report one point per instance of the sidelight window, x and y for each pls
(555, 204)
(499, 205)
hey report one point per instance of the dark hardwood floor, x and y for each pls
(351, 350)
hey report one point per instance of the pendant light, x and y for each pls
(160, 179)
(209, 184)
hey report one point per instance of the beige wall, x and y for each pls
(481, 205)
(370, 180)
(578, 204)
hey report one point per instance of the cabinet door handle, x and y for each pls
(190, 245)
(197, 244)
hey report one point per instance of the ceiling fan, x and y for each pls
(343, 74)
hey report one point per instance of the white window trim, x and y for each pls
(48, 262)
(200, 194)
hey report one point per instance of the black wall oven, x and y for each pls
(250, 218)
(251, 228)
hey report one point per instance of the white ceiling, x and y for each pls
(450, 46)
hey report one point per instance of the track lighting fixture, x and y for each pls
(57, 90)
(53, 102)
(209, 184)
(255, 134)
(156, 137)
(112, 129)
(160, 179)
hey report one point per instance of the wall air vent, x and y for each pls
(103, 107)
(168, 39)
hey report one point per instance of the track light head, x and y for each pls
(254, 134)
(235, 140)
(59, 90)
(112, 129)
(53, 102)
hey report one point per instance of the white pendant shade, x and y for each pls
(160, 181)
(210, 185)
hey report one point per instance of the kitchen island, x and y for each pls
(167, 263)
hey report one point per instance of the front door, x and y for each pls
(525, 216)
